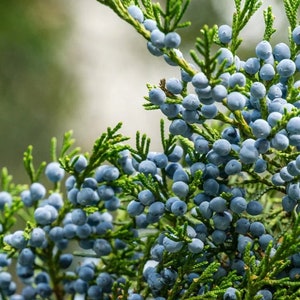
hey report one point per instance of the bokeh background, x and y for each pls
(68, 64)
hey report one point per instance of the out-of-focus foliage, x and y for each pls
(36, 90)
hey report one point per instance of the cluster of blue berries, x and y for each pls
(256, 101)
(179, 223)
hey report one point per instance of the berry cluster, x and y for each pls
(195, 220)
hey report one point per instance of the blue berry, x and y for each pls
(44, 290)
(254, 208)
(238, 204)
(190, 102)
(171, 110)
(78, 216)
(248, 154)
(17, 239)
(135, 296)
(218, 236)
(286, 68)
(297, 64)
(242, 225)
(104, 281)
(102, 247)
(288, 204)
(257, 229)
(293, 169)
(262, 145)
(261, 128)
(70, 183)
(157, 38)
(180, 175)
(233, 167)
(179, 127)
(26, 198)
(231, 134)
(196, 245)
(87, 196)
(147, 167)
(45, 215)
(146, 197)
(280, 141)
(135, 208)
(180, 189)
(219, 92)
(243, 242)
(236, 101)
(83, 231)
(237, 79)
(56, 233)
(37, 191)
(179, 208)
(79, 162)
(155, 281)
(86, 273)
(225, 55)
(135, 12)
(266, 294)
(200, 80)
(257, 90)
(205, 210)
(185, 76)
(176, 154)
(293, 125)
(94, 292)
(28, 292)
(150, 24)
(263, 50)
(156, 209)
(209, 111)
(154, 50)
(222, 220)
(225, 34)
(171, 245)
(273, 118)
(252, 65)
(230, 294)
(157, 96)
(296, 35)
(267, 72)
(264, 240)
(281, 51)
(80, 286)
(26, 257)
(174, 85)
(172, 40)
(211, 187)
(260, 166)
(37, 237)
(222, 147)
(65, 260)
(105, 192)
(54, 172)
(55, 200)
(5, 200)
(218, 204)
(157, 252)
(201, 145)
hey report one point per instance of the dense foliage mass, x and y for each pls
(214, 215)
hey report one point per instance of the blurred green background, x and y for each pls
(56, 56)
(36, 89)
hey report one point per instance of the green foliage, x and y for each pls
(269, 21)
